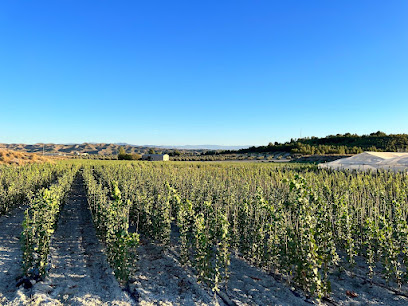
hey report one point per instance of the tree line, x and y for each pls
(335, 144)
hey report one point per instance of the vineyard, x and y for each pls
(201, 233)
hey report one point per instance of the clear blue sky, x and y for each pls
(201, 72)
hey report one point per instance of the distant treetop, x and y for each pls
(336, 144)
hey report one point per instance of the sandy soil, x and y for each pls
(160, 279)
(249, 285)
(10, 253)
(376, 293)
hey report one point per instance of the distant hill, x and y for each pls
(20, 158)
(72, 149)
(332, 144)
(337, 144)
(107, 148)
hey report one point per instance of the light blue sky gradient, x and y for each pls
(201, 72)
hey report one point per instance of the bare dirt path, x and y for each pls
(248, 285)
(366, 293)
(161, 280)
(10, 253)
(80, 274)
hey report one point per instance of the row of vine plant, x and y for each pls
(110, 214)
(18, 184)
(40, 220)
(299, 222)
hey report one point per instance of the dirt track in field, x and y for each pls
(160, 279)
(10, 253)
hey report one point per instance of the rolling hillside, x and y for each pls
(20, 158)
(109, 149)
(72, 149)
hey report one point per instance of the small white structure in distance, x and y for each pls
(394, 161)
(156, 157)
